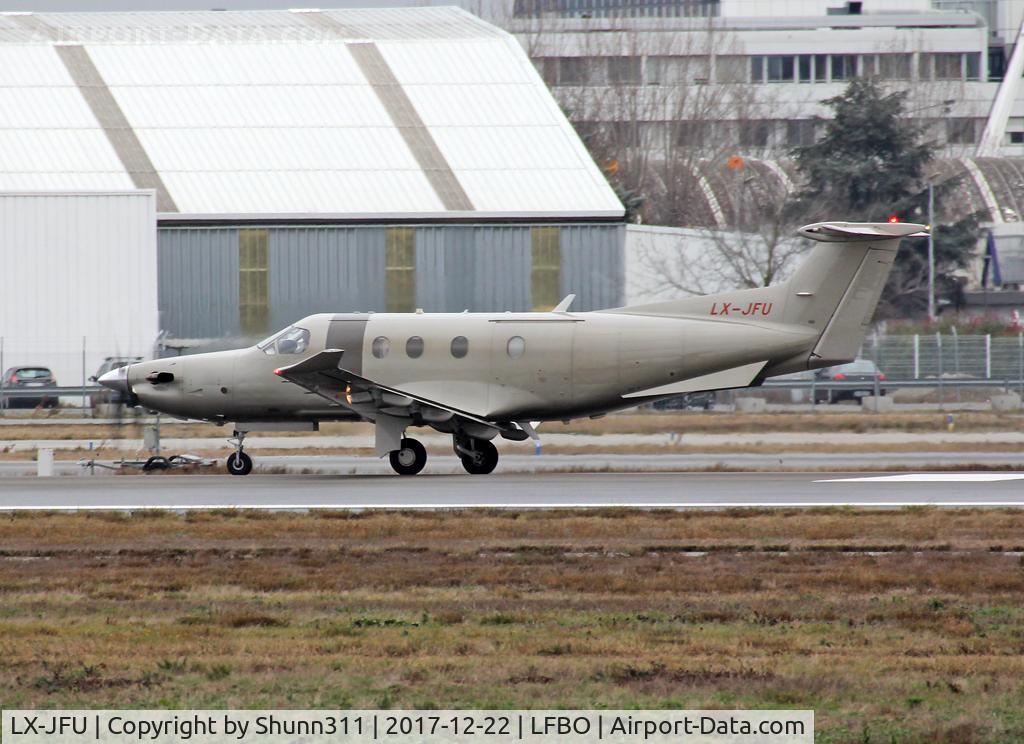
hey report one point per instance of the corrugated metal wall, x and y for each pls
(341, 269)
(79, 279)
(324, 270)
(594, 265)
(198, 272)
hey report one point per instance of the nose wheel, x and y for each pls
(479, 457)
(239, 463)
(409, 459)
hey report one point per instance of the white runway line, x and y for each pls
(929, 478)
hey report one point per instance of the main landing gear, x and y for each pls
(239, 463)
(479, 456)
(409, 459)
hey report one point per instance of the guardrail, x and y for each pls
(50, 392)
(8, 395)
(890, 384)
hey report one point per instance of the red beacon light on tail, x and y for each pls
(893, 219)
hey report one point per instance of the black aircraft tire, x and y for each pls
(239, 464)
(486, 459)
(409, 459)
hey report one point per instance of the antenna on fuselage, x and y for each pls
(563, 306)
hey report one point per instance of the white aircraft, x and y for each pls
(478, 376)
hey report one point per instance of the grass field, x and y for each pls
(900, 626)
(825, 419)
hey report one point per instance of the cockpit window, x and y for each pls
(292, 340)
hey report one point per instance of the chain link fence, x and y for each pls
(951, 355)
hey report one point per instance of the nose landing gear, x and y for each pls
(239, 463)
(479, 456)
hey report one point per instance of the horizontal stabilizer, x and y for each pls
(848, 232)
(734, 377)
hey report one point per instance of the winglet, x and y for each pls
(563, 306)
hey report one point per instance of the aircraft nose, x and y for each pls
(116, 379)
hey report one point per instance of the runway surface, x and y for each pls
(512, 490)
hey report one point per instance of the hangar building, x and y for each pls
(306, 161)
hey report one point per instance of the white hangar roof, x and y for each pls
(382, 113)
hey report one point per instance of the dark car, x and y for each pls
(703, 400)
(862, 370)
(26, 378)
(114, 397)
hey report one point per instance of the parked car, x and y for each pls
(862, 370)
(20, 378)
(688, 400)
(110, 396)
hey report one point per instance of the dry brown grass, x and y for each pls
(824, 420)
(623, 608)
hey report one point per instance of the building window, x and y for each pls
(948, 66)
(780, 69)
(400, 269)
(624, 70)
(414, 347)
(729, 69)
(972, 65)
(546, 271)
(516, 347)
(894, 66)
(800, 132)
(806, 68)
(572, 71)
(757, 69)
(625, 134)
(755, 133)
(253, 282)
(548, 69)
(675, 70)
(380, 347)
(615, 8)
(821, 68)
(460, 347)
(1017, 138)
(961, 132)
(844, 66)
(690, 133)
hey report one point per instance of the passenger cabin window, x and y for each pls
(292, 340)
(516, 347)
(414, 347)
(460, 347)
(380, 347)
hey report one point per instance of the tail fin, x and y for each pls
(838, 287)
(834, 291)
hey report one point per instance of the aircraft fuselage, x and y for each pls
(501, 366)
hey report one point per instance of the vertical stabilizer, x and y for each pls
(831, 297)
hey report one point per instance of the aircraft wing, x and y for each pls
(323, 375)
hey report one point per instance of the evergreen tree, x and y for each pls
(870, 165)
(871, 159)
